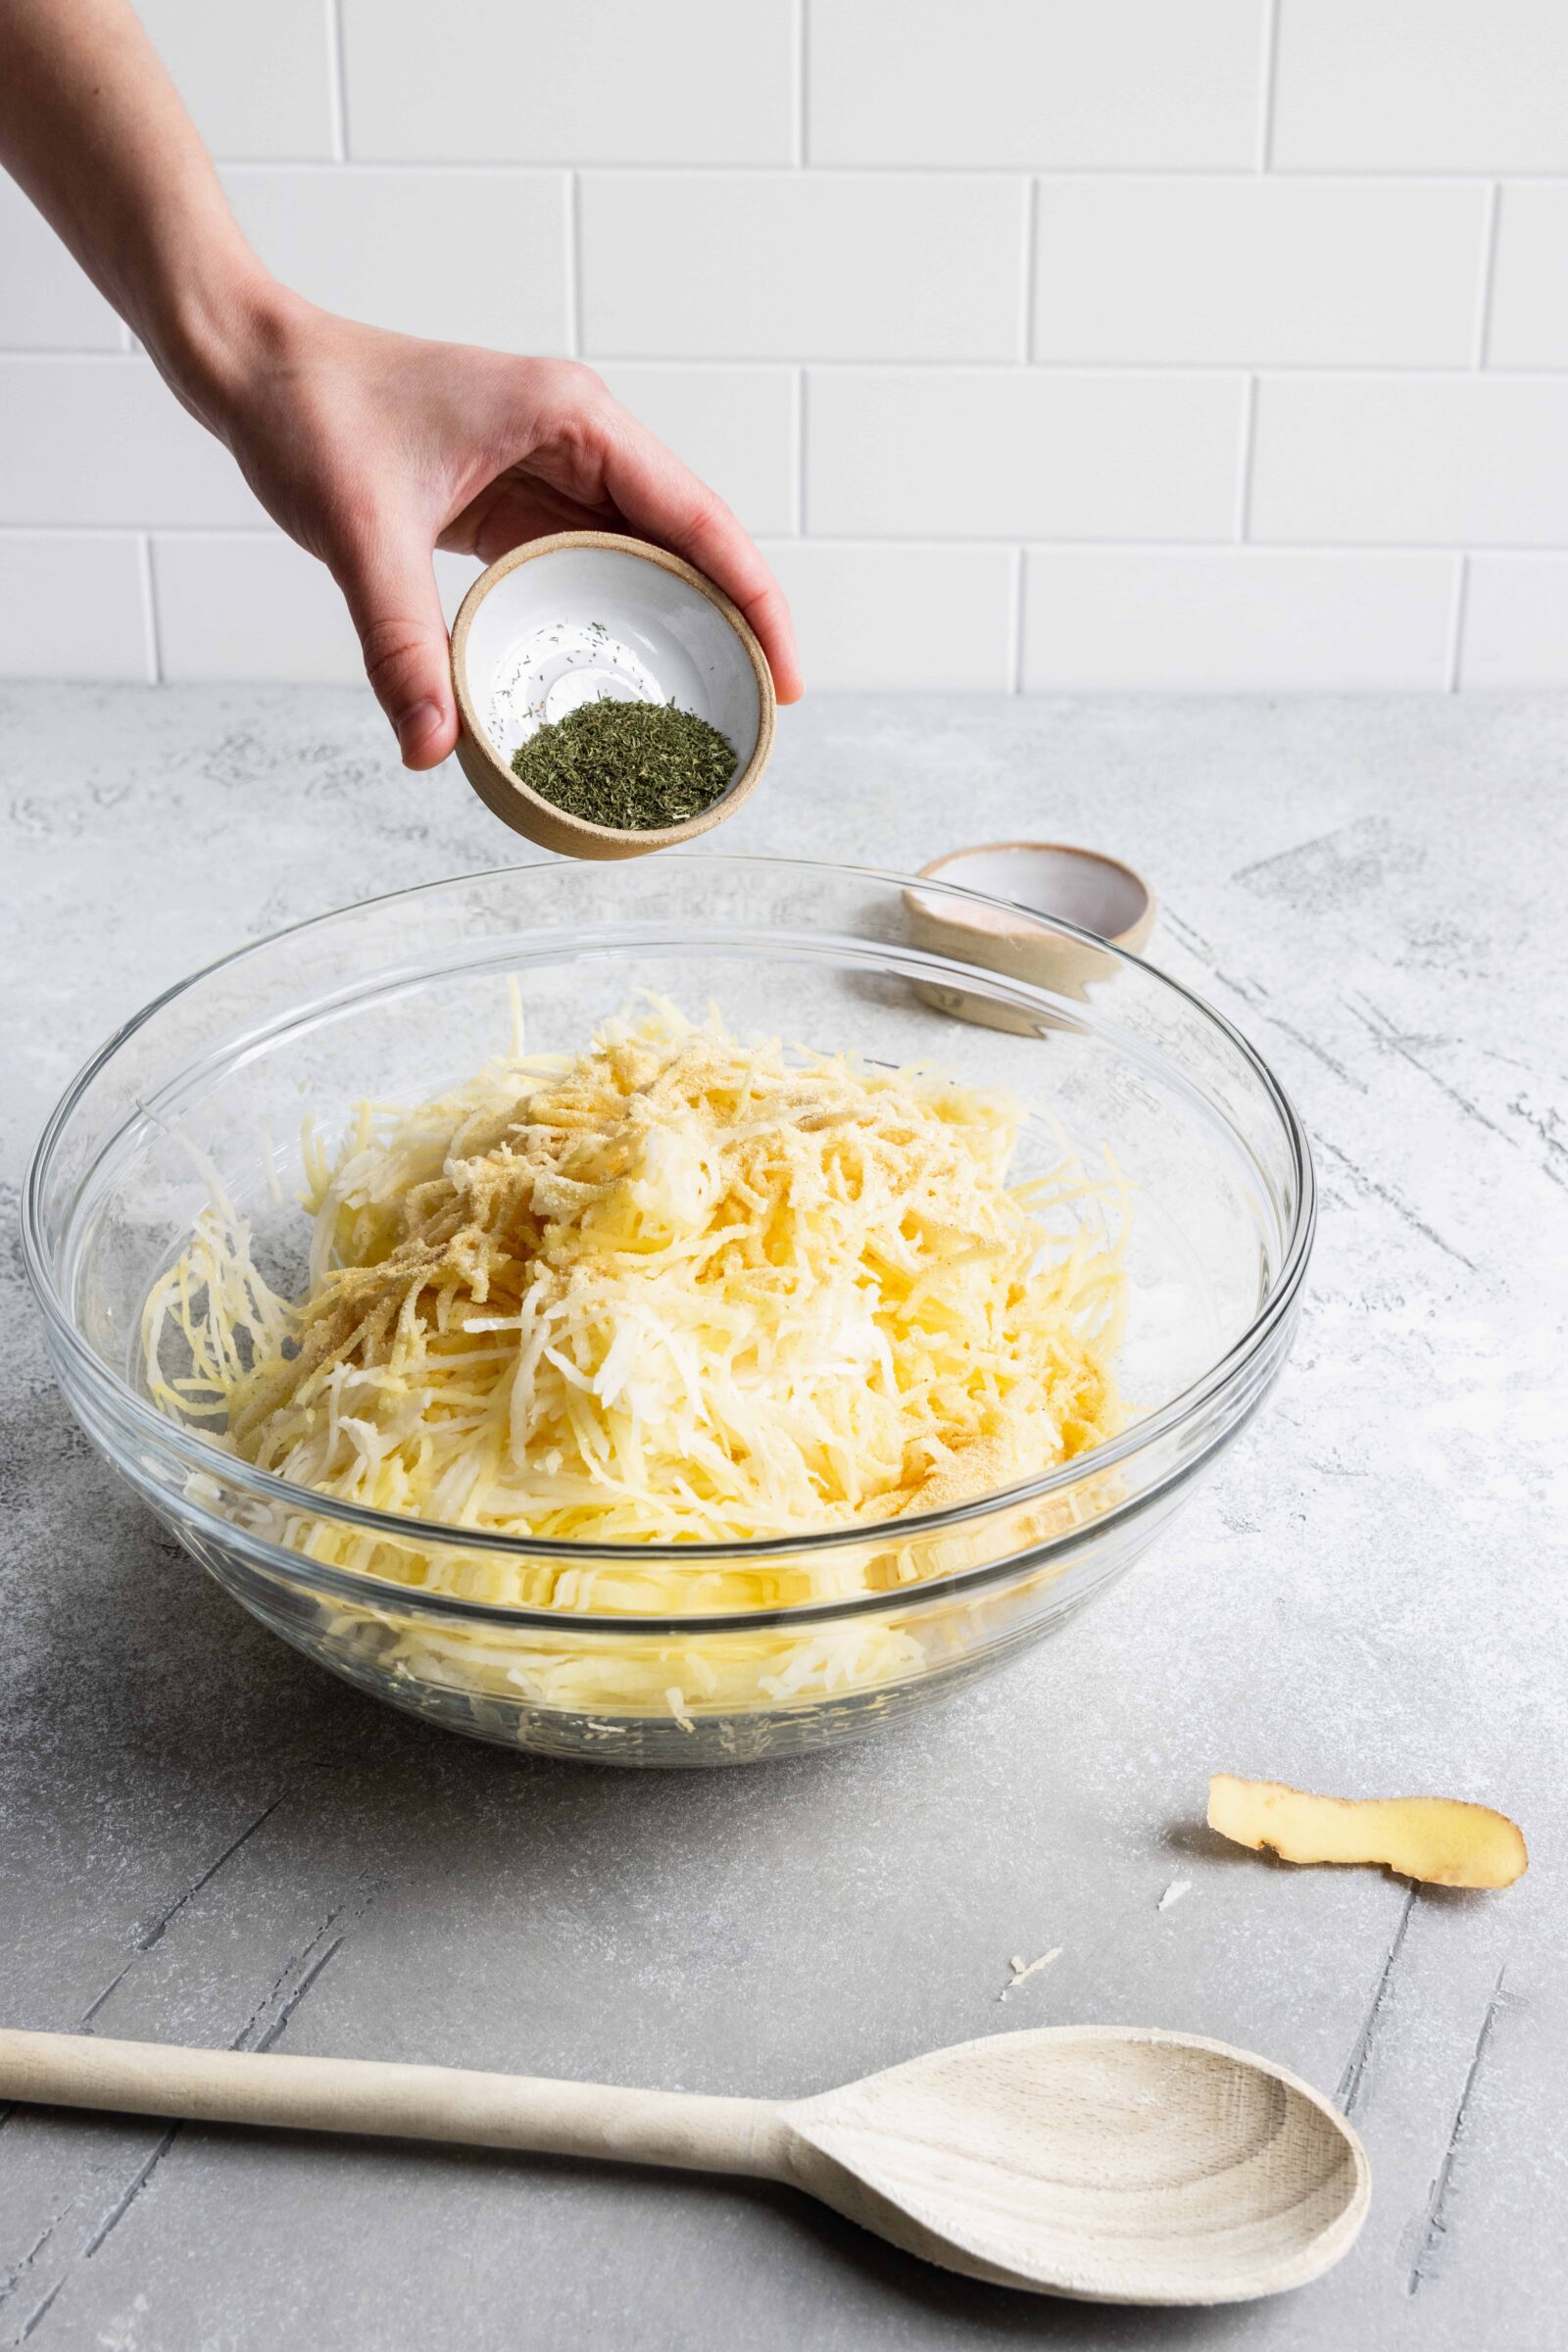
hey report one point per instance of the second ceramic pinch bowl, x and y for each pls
(1049, 883)
(589, 617)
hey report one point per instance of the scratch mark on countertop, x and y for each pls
(1347, 2094)
(1436, 2227)
(313, 1957)
(39, 2311)
(155, 1934)
(18, 2270)
(1253, 994)
(1401, 1209)
(1319, 1053)
(279, 2024)
(1191, 940)
(132, 2190)
(157, 1931)
(1378, 1026)
(113, 1985)
(1547, 1124)
(367, 1892)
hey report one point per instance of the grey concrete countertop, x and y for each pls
(199, 1831)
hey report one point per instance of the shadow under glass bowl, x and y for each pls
(692, 1653)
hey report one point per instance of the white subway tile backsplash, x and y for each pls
(1464, 461)
(821, 264)
(1172, 332)
(71, 607)
(897, 618)
(1421, 85)
(471, 256)
(734, 426)
(1529, 323)
(1515, 622)
(255, 73)
(45, 302)
(102, 441)
(254, 606)
(1144, 83)
(1014, 454)
(1259, 272)
(1235, 619)
(627, 81)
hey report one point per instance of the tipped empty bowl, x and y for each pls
(1040, 896)
(590, 616)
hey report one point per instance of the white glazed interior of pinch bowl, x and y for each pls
(1093, 893)
(634, 631)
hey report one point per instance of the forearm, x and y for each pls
(370, 448)
(95, 131)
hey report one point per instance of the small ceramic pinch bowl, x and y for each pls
(589, 617)
(1082, 890)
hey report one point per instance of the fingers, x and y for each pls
(659, 496)
(389, 585)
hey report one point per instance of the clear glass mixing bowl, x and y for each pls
(397, 999)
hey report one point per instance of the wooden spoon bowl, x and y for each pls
(1110, 2163)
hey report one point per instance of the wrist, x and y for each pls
(217, 329)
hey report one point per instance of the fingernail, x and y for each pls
(413, 725)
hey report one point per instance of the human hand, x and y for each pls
(373, 449)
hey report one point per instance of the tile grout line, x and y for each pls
(149, 608)
(797, 485)
(974, 542)
(799, 137)
(1489, 271)
(1031, 267)
(574, 267)
(1337, 371)
(1352, 551)
(1101, 175)
(1244, 489)
(1020, 615)
(1269, 80)
(337, 80)
(1456, 616)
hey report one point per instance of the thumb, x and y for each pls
(389, 585)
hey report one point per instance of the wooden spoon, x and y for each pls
(1113, 2164)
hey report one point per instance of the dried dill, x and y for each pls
(633, 766)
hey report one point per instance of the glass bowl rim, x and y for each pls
(267, 1486)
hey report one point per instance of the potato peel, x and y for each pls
(1442, 1840)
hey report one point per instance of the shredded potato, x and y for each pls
(675, 1290)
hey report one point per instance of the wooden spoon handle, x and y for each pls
(684, 2128)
